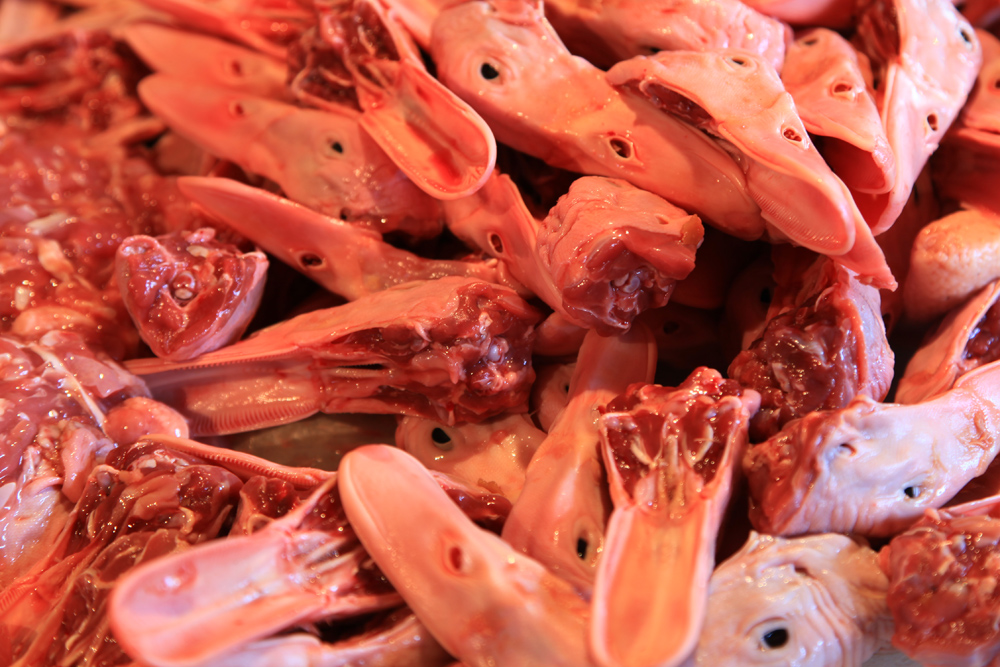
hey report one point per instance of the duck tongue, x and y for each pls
(670, 455)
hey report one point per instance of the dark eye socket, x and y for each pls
(488, 71)
(775, 638)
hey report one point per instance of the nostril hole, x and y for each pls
(621, 147)
(738, 61)
(965, 36)
(455, 559)
(842, 88)
(344, 214)
(235, 68)
(488, 71)
(310, 261)
(236, 108)
(496, 243)
(811, 41)
(932, 122)
(792, 135)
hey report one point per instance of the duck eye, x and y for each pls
(775, 638)
(912, 491)
(441, 439)
(488, 71)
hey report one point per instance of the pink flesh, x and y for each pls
(343, 258)
(919, 94)
(861, 459)
(496, 221)
(800, 198)
(434, 137)
(941, 592)
(824, 343)
(321, 160)
(614, 251)
(965, 165)
(188, 293)
(143, 503)
(824, 76)
(827, 13)
(936, 365)
(616, 30)
(399, 640)
(492, 455)
(249, 23)
(192, 607)
(599, 130)
(897, 244)
(468, 579)
(138, 417)
(171, 51)
(982, 110)
(671, 455)
(452, 348)
(826, 593)
(605, 253)
(560, 518)
(950, 259)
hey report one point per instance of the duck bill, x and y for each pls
(434, 137)
(202, 603)
(309, 241)
(173, 52)
(467, 578)
(213, 19)
(230, 124)
(651, 551)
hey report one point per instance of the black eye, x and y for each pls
(440, 436)
(488, 71)
(775, 638)
(912, 491)
(581, 548)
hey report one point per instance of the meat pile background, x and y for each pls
(681, 317)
